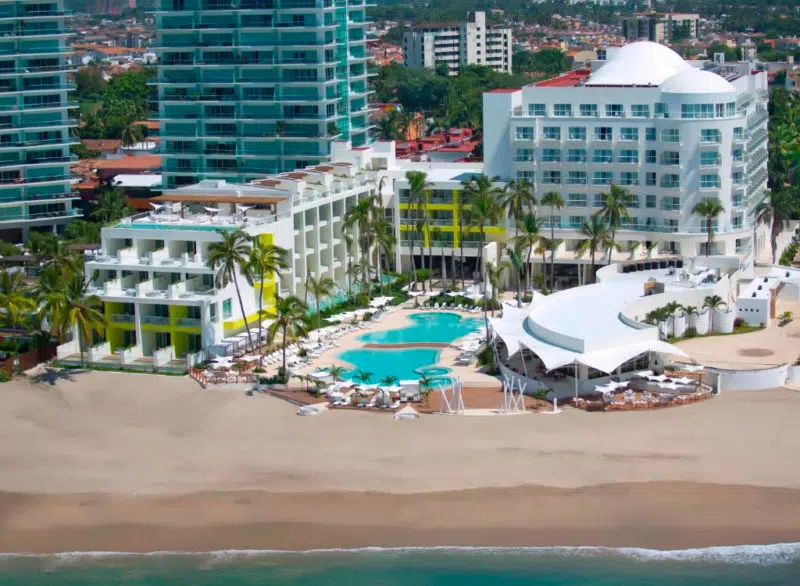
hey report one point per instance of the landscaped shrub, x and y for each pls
(690, 333)
(4, 378)
(739, 323)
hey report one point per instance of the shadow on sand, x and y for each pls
(51, 376)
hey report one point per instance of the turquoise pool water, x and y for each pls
(149, 226)
(432, 326)
(382, 363)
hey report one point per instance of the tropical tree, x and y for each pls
(110, 206)
(291, 320)
(319, 288)
(15, 302)
(51, 299)
(712, 303)
(418, 186)
(264, 261)
(554, 201)
(594, 234)
(84, 312)
(131, 135)
(671, 309)
(227, 257)
(391, 126)
(709, 208)
(613, 210)
(348, 247)
(385, 241)
(528, 238)
(336, 372)
(389, 380)
(517, 266)
(464, 218)
(363, 375)
(493, 275)
(484, 196)
(517, 200)
(361, 216)
(777, 210)
(425, 386)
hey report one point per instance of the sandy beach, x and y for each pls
(111, 461)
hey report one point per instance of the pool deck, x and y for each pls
(398, 318)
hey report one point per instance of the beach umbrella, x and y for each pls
(645, 373)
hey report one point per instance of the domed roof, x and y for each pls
(697, 81)
(639, 63)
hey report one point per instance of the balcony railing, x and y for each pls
(156, 320)
(188, 322)
(123, 318)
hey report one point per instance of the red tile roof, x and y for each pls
(570, 79)
(503, 90)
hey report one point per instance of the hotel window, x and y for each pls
(737, 177)
(697, 110)
(576, 200)
(598, 201)
(629, 134)
(551, 155)
(523, 155)
(603, 133)
(737, 200)
(227, 308)
(650, 134)
(629, 178)
(628, 156)
(562, 110)
(738, 222)
(649, 178)
(576, 178)
(551, 178)
(576, 221)
(602, 178)
(719, 110)
(537, 109)
(671, 225)
(588, 109)
(710, 135)
(614, 110)
(671, 204)
(730, 109)
(662, 110)
(650, 157)
(671, 135)
(650, 201)
(709, 181)
(640, 111)
(551, 133)
(603, 156)
(738, 155)
(526, 175)
(633, 200)
(738, 133)
(670, 158)
(710, 159)
(576, 156)
(577, 133)
(524, 133)
(670, 180)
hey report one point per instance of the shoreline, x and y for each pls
(653, 515)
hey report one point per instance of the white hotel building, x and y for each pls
(666, 130)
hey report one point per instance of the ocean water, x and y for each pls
(777, 565)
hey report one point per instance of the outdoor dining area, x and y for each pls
(351, 394)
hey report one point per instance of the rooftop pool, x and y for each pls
(434, 326)
(153, 226)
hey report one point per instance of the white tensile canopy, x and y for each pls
(407, 412)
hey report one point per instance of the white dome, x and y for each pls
(697, 81)
(640, 63)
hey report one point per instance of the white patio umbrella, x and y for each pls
(668, 386)
(243, 209)
(158, 206)
(645, 373)
(660, 378)
(684, 380)
(211, 210)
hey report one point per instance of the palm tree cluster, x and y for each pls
(673, 309)
(365, 224)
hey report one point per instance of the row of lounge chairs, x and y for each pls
(454, 306)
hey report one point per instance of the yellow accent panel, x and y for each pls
(115, 337)
(239, 323)
(180, 341)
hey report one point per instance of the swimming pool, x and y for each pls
(151, 226)
(403, 364)
(434, 326)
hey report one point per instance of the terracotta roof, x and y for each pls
(267, 182)
(102, 145)
(503, 90)
(570, 79)
(134, 163)
(149, 124)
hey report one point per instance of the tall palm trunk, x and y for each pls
(708, 243)
(284, 350)
(461, 246)
(453, 268)
(529, 269)
(613, 242)
(261, 308)
(480, 255)
(552, 251)
(413, 262)
(378, 266)
(592, 252)
(241, 307)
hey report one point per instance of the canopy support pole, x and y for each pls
(576, 378)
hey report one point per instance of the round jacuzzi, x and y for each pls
(431, 371)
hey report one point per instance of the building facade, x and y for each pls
(35, 180)
(661, 27)
(252, 87)
(458, 45)
(152, 271)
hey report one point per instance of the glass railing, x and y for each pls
(156, 320)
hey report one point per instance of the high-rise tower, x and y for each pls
(251, 87)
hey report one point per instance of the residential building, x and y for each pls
(458, 44)
(660, 27)
(35, 125)
(252, 87)
(152, 274)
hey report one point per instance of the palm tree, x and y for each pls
(709, 208)
(689, 310)
(517, 266)
(291, 320)
(389, 380)
(712, 303)
(388, 127)
(15, 301)
(554, 200)
(594, 232)
(671, 309)
(348, 247)
(493, 274)
(265, 261)
(319, 288)
(425, 386)
(131, 135)
(110, 206)
(363, 376)
(517, 200)
(336, 372)
(613, 211)
(361, 216)
(353, 271)
(483, 195)
(51, 299)
(227, 257)
(84, 312)
(464, 218)
(385, 240)
(528, 239)
(777, 211)
(418, 186)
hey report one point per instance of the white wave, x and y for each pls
(778, 553)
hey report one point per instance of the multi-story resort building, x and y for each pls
(252, 87)
(669, 133)
(459, 44)
(35, 180)
(152, 271)
(660, 27)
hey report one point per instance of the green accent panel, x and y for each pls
(115, 337)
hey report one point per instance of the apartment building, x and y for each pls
(160, 296)
(253, 87)
(660, 27)
(35, 180)
(646, 120)
(459, 44)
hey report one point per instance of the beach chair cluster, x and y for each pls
(645, 390)
(469, 347)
